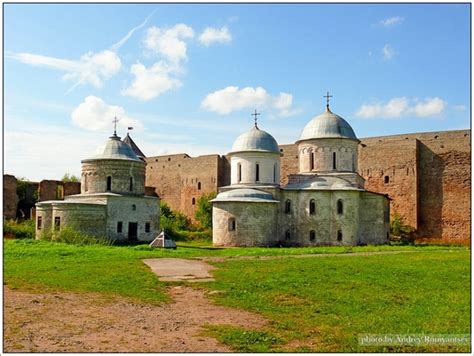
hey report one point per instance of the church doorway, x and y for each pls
(132, 231)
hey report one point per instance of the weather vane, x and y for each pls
(255, 114)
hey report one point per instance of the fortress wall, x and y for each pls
(288, 162)
(10, 197)
(176, 179)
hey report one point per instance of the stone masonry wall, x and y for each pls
(10, 197)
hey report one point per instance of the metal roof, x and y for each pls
(327, 125)
(255, 140)
(128, 140)
(245, 195)
(114, 148)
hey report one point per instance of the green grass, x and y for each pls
(323, 304)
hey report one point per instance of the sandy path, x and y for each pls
(75, 322)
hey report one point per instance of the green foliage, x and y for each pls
(19, 230)
(242, 340)
(399, 228)
(70, 235)
(70, 178)
(204, 210)
(172, 221)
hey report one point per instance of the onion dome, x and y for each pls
(327, 125)
(245, 194)
(114, 148)
(255, 140)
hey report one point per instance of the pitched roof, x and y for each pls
(128, 140)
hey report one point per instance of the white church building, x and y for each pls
(324, 204)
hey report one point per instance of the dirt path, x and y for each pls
(74, 322)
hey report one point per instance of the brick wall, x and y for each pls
(10, 197)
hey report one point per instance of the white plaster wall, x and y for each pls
(86, 218)
(323, 149)
(374, 218)
(46, 214)
(248, 161)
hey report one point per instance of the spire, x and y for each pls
(255, 114)
(327, 96)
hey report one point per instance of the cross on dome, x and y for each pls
(115, 120)
(255, 114)
(327, 96)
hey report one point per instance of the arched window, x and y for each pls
(109, 183)
(312, 236)
(334, 160)
(274, 173)
(199, 185)
(311, 161)
(353, 163)
(239, 172)
(312, 207)
(231, 224)
(86, 187)
(340, 207)
(131, 184)
(339, 235)
(257, 172)
(288, 207)
(194, 201)
(287, 235)
(386, 179)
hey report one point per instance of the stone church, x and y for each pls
(324, 204)
(112, 202)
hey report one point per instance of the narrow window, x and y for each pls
(231, 224)
(39, 222)
(288, 207)
(131, 184)
(134, 207)
(312, 207)
(287, 235)
(386, 179)
(239, 172)
(353, 163)
(199, 185)
(194, 201)
(257, 172)
(147, 227)
(311, 161)
(334, 160)
(312, 236)
(339, 235)
(86, 187)
(274, 173)
(57, 222)
(340, 207)
(119, 227)
(109, 183)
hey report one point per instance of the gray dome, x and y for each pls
(327, 125)
(245, 194)
(114, 148)
(255, 140)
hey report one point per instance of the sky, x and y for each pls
(187, 77)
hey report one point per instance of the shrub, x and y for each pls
(400, 229)
(173, 220)
(204, 210)
(70, 235)
(19, 230)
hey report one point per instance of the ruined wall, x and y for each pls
(10, 197)
(180, 180)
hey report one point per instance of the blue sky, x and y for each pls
(187, 77)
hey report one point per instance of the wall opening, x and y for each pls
(194, 201)
(339, 235)
(340, 207)
(274, 173)
(147, 227)
(287, 235)
(86, 186)
(257, 172)
(57, 222)
(239, 172)
(312, 236)
(119, 227)
(199, 185)
(109, 183)
(39, 221)
(134, 207)
(334, 160)
(288, 207)
(131, 184)
(386, 179)
(311, 161)
(59, 192)
(312, 207)
(231, 224)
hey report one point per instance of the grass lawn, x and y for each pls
(314, 304)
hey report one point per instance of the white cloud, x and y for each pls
(391, 21)
(215, 35)
(94, 114)
(232, 98)
(388, 52)
(398, 107)
(152, 82)
(169, 42)
(129, 34)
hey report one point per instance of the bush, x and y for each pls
(400, 229)
(204, 210)
(171, 221)
(19, 230)
(69, 235)
(70, 178)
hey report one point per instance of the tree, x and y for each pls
(70, 178)
(204, 210)
(399, 228)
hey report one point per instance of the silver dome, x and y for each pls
(327, 125)
(255, 140)
(114, 148)
(245, 194)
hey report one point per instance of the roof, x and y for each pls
(255, 140)
(128, 140)
(245, 195)
(114, 148)
(327, 125)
